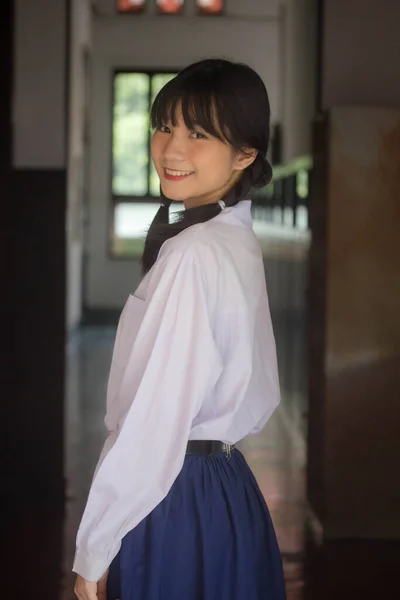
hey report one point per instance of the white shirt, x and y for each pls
(194, 358)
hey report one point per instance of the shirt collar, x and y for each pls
(239, 215)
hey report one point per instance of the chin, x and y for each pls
(175, 192)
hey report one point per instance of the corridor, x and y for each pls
(79, 80)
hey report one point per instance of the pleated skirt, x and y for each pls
(211, 538)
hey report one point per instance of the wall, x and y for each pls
(40, 104)
(36, 286)
(363, 327)
(354, 333)
(298, 72)
(39, 85)
(361, 53)
(249, 32)
(80, 49)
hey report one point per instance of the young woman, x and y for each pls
(174, 511)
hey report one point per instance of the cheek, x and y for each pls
(219, 163)
(156, 148)
(208, 156)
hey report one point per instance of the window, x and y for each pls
(135, 182)
(130, 224)
(133, 173)
(130, 6)
(172, 7)
(210, 7)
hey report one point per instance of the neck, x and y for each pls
(215, 196)
(195, 202)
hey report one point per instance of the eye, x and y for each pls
(164, 129)
(197, 135)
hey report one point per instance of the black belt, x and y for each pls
(209, 448)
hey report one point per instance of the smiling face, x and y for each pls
(195, 167)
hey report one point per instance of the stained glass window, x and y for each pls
(131, 6)
(172, 7)
(210, 7)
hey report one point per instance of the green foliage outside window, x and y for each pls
(133, 171)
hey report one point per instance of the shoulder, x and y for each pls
(195, 243)
(194, 248)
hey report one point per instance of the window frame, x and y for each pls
(144, 10)
(181, 13)
(140, 11)
(116, 199)
(202, 13)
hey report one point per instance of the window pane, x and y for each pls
(130, 134)
(131, 222)
(130, 5)
(170, 6)
(210, 6)
(157, 83)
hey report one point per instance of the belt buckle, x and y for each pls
(228, 450)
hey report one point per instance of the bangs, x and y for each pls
(201, 106)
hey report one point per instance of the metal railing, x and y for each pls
(285, 199)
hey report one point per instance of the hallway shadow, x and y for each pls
(351, 570)
(33, 567)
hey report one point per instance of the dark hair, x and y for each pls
(229, 101)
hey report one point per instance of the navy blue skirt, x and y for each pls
(211, 538)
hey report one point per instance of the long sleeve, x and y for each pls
(171, 368)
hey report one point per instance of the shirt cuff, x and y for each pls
(91, 568)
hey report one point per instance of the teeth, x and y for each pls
(178, 173)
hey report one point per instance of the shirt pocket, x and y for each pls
(128, 327)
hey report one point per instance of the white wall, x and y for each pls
(361, 53)
(298, 71)
(80, 42)
(39, 117)
(39, 84)
(249, 32)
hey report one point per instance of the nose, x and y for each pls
(174, 149)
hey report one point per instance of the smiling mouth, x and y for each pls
(175, 175)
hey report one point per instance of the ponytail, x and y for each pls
(258, 174)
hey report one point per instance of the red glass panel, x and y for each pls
(210, 7)
(133, 6)
(171, 7)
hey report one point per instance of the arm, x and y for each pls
(173, 365)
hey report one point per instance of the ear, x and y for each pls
(244, 158)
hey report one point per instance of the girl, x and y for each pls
(174, 508)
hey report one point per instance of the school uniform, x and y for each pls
(173, 506)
